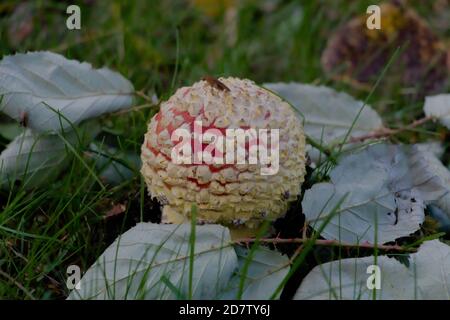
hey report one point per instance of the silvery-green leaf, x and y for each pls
(427, 277)
(10, 130)
(33, 158)
(150, 260)
(314, 155)
(431, 178)
(444, 204)
(435, 147)
(379, 202)
(328, 114)
(54, 92)
(438, 107)
(265, 272)
(115, 166)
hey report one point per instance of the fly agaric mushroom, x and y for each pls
(234, 149)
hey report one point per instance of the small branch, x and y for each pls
(150, 104)
(144, 96)
(387, 132)
(135, 108)
(38, 268)
(305, 229)
(20, 286)
(300, 248)
(296, 253)
(331, 243)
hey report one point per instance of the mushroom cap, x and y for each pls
(236, 194)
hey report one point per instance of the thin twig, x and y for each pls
(141, 94)
(305, 228)
(151, 103)
(332, 243)
(387, 132)
(20, 286)
(296, 253)
(300, 248)
(135, 108)
(38, 269)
